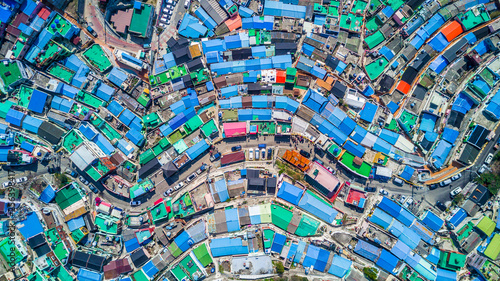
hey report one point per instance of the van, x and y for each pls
(455, 192)
(398, 181)
(445, 182)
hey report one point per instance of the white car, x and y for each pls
(402, 200)
(179, 186)
(250, 154)
(257, 152)
(488, 159)
(408, 202)
(445, 183)
(135, 203)
(186, 4)
(383, 192)
(191, 177)
(482, 169)
(7, 184)
(456, 177)
(455, 192)
(21, 180)
(168, 192)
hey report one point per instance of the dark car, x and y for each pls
(370, 189)
(179, 23)
(305, 153)
(269, 153)
(433, 186)
(440, 206)
(93, 188)
(236, 148)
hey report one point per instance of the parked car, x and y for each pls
(168, 192)
(402, 200)
(236, 148)
(93, 188)
(263, 151)
(488, 159)
(398, 181)
(179, 186)
(7, 184)
(383, 192)
(440, 206)
(215, 157)
(250, 154)
(305, 153)
(433, 186)
(191, 177)
(257, 154)
(456, 177)
(370, 189)
(330, 169)
(91, 31)
(21, 180)
(269, 153)
(445, 182)
(455, 192)
(162, 25)
(135, 203)
(201, 169)
(408, 202)
(71, 173)
(178, 24)
(482, 169)
(186, 4)
(83, 180)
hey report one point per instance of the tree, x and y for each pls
(280, 269)
(491, 181)
(370, 273)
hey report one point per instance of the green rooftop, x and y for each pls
(19, 46)
(407, 120)
(373, 24)
(175, 136)
(335, 150)
(141, 20)
(351, 22)
(52, 235)
(280, 216)
(209, 128)
(373, 40)
(188, 210)
(202, 254)
(268, 238)
(159, 212)
(451, 260)
(89, 99)
(265, 128)
(9, 73)
(146, 156)
(61, 252)
(59, 25)
(348, 160)
(96, 57)
(107, 224)
(67, 196)
(474, 17)
(493, 249)
(376, 68)
(174, 250)
(179, 274)
(486, 225)
(151, 120)
(359, 7)
(140, 276)
(193, 124)
(24, 96)
(180, 146)
(9, 253)
(189, 266)
(374, 4)
(307, 226)
(144, 99)
(62, 72)
(72, 140)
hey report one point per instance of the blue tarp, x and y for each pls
(115, 108)
(368, 112)
(358, 134)
(405, 217)
(322, 260)
(356, 149)
(230, 91)
(450, 135)
(104, 144)
(197, 149)
(311, 256)
(381, 145)
(117, 77)
(37, 101)
(471, 38)
(14, 117)
(75, 223)
(227, 247)
(221, 190)
(278, 243)
(434, 255)
(135, 137)
(438, 64)
(446, 275)
(439, 42)
(389, 206)
(401, 250)
(125, 146)
(392, 106)
(481, 48)
(340, 266)
(423, 232)
(417, 42)
(183, 241)
(432, 221)
(462, 103)
(440, 154)
(87, 275)
(150, 269)
(396, 228)
(131, 245)
(290, 193)
(318, 208)
(31, 124)
(30, 226)
(27, 146)
(407, 173)
(300, 251)
(381, 218)
(410, 238)
(434, 24)
(367, 250)
(389, 136)
(337, 136)
(47, 195)
(457, 218)
(286, 103)
(105, 92)
(387, 261)
(347, 126)
(314, 101)
(232, 220)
